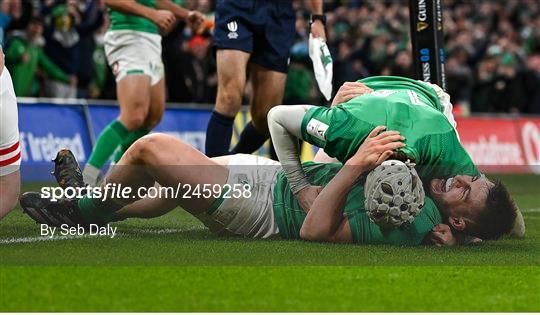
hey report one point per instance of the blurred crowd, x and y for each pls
(54, 48)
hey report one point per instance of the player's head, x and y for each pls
(475, 205)
(394, 194)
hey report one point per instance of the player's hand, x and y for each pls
(195, 21)
(350, 90)
(441, 235)
(164, 20)
(317, 29)
(377, 148)
(307, 196)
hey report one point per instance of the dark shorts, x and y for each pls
(263, 28)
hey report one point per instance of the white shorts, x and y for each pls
(133, 52)
(10, 149)
(254, 216)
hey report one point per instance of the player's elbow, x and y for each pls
(274, 114)
(306, 234)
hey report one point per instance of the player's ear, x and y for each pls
(458, 223)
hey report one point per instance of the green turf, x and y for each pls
(173, 264)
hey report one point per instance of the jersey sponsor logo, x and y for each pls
(317, 129)
(232, 27)
(383, 93)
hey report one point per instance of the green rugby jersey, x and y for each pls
(425, 93)
(401, 104)
(124, 21)
(289, 216)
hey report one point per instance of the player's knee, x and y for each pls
(273, 114)
(134, 120)
(229, 101)
(147, 148)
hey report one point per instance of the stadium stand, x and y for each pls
(493, 50)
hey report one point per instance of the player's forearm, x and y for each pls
(284, 123)
(130, 7)
(177, 10)
(326, 214)
(316, 6)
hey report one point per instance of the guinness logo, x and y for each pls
(420, 26)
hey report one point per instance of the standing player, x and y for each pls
(259, 34)
(410, 107)
(10, 150)
(133, 49)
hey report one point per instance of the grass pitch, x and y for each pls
(173, 264)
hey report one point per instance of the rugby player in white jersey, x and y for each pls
(10, 150)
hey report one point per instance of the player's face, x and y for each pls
(461, 195)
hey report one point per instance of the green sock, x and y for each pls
(95, 210)
(109, 139)
(128, 141)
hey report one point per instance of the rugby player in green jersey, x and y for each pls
(133, 50)
(259, 202)
(470, 202)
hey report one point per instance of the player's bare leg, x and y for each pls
(10, 186)
(168, 161)
(268, 90)
(155, 207)
(231, 71)
(152, 119)
(157, 105)
(134, 99)
(155, 158)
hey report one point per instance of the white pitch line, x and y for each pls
(531, 210)
(13, 240)
(156, 231)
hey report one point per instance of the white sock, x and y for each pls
(91, 175)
